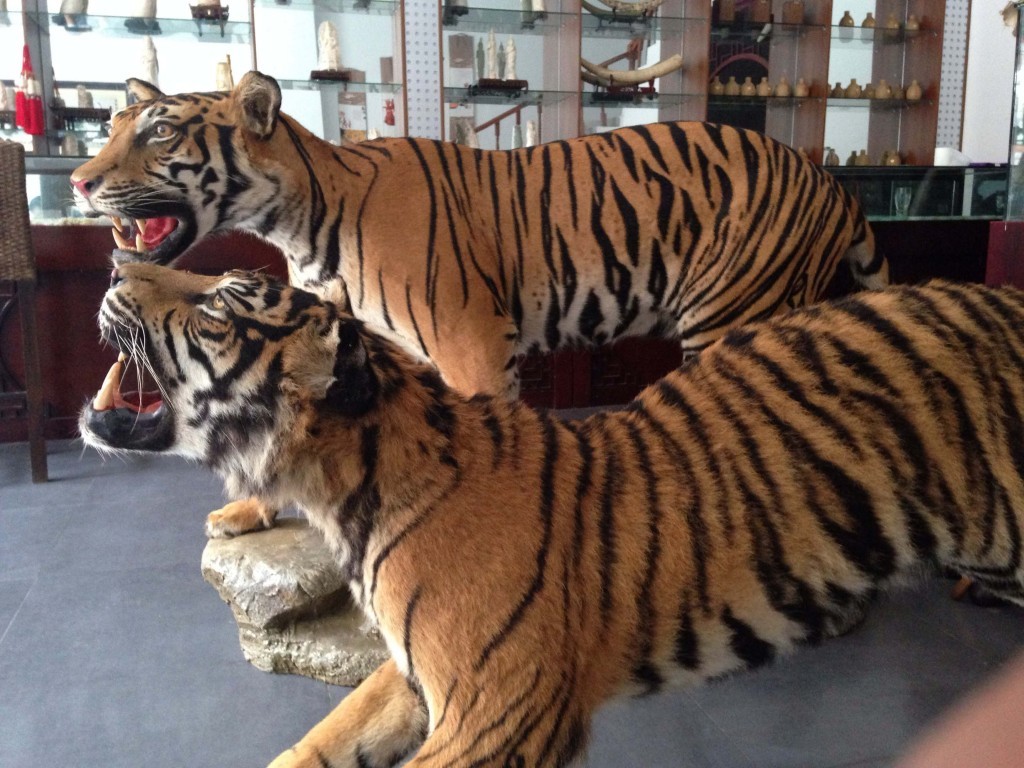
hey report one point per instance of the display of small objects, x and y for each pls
(210, 11)
(498, 68)
(782, 89)
(328, 62)
(913, 92)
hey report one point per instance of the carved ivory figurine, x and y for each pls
(492, 56)
(150, 65)
(327, 41)
(510, 60)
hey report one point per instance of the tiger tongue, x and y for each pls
(157, 229)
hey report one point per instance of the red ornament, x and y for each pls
(389, 112)
(28, 102)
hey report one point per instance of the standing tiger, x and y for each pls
(471, 258)
(523, 570)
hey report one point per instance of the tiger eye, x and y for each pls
(217, 303)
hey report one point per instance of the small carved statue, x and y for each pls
(327, 41)
(481, 61)
(532, 139)
(225, 79)
(389, 112)
(150, 65)
(510, 60)
(84, 97)
(501, 61)
(517, 136)
(492, 56)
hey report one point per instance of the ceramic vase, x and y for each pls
(853, 90)
(783, 89)
(891, 22)
(793, 12)
(913, 23)
(764, 88)
(884, 90)
(852, 159)
(748, 88)
(732, 88)
(847, 20)
(831, 158)
(869, 91)
(869, 21)
(717, 87)
(862, 158)
(761, 11)
(914, 91)
(838, 92)
(801, 90)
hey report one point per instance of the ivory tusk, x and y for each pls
(634, 76)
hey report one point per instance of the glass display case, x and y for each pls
(1015, 190)
(82, 61)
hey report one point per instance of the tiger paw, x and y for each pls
(304, 757)
(239, 517)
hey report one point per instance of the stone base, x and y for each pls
(292, 604)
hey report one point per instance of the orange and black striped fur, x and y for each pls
(523, 569)
(471, 258)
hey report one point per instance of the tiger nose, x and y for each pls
(115, 278)
(85, 186)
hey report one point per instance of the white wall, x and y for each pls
(988, 89)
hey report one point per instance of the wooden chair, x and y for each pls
(17, 267)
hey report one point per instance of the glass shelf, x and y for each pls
(518, 22)
(655, 27)
(338, 85)
(640, 100)
(742, 102)
(465, 96)
(751, 30)
(371, 7)
(127, 26)
(869, 35)
(877, 104)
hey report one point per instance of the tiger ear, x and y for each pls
(354, 389)
(258, 98)
(141, 90)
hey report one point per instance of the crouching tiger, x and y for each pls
(522, 569)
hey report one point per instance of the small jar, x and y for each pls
(748, 88)
(913, 23)
(732, 88)
(717, 87)
(914, 91)
(801, 90)
(783, 89)
(831, 158)
(847, 20)
(853, 90)
(884, 90)
(862, 158)
(869, 21)
(764, 88)
(838, 92)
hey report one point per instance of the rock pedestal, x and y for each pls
(292, 604)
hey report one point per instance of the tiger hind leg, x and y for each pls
(239, 517)
(375, 726)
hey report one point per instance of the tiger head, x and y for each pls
(244, 365)
(177, 168)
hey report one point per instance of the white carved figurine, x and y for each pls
(531, 133)
(327, 41)
(150, 65)
(492, 56)
(472, 141)
(510, 60)
(225, 79)
(84, 97)
(501, 61)
(144, 9)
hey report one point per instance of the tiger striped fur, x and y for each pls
(472, 258)
(523, 569)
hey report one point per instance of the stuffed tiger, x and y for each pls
(523, 569)
(473, 258)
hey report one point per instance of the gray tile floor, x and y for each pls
(114, 651)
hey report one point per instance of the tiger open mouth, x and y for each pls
(160, 239)
(137, 421)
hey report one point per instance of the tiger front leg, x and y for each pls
(375, 726)
(239, 517)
